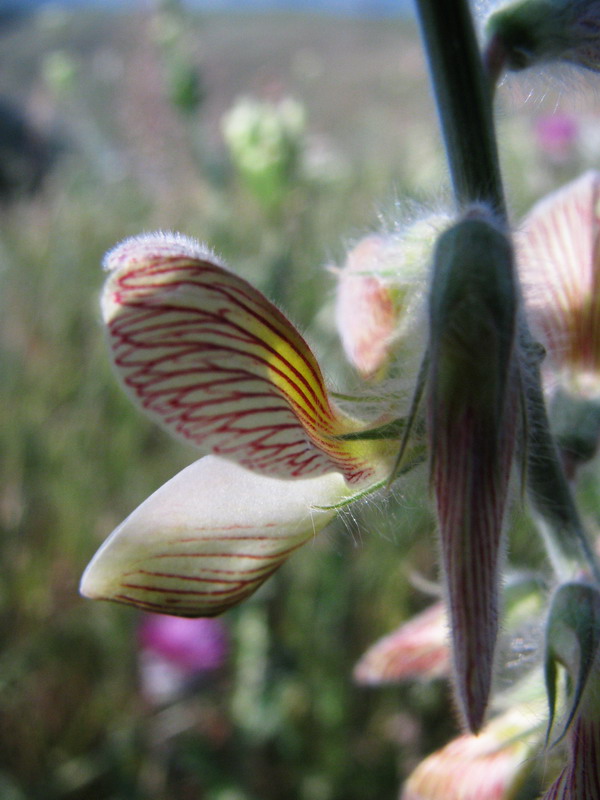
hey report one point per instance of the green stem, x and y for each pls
(464, 102)
(558, 519)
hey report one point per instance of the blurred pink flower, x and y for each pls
(380, 296)
(365, 310)
(192, 645)
(417, 649)
(556, 135)
(558, 251)
(489, 766)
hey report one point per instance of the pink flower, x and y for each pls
(380, 297)
(558, 251)
(193, 645)
(417, 649)
(556, 135)
(365, 310)
(489, 766)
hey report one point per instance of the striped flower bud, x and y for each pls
(417, 649)
(490, 766)
(473, 396)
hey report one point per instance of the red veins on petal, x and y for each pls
(417, 649)
(558, 251)
(214, 361)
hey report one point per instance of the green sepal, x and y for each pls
(572, 640)
(398, 468)
(391, 430)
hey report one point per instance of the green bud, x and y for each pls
(473, 401)
(529, 32)
(572, 641)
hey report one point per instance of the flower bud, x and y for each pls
(490, 766)
(533, 31)
(573, 642)
(473, 398)
(380, 296)
(417, 649)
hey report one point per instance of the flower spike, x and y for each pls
(473, 403)
(209, 538)
(214, 361)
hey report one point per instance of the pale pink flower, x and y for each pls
(489, 766)
(417, 649)
(381, 295)
(558, 250)
(365, 312)
(556, 135)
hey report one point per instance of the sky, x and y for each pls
(363, 8)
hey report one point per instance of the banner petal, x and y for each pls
(210, 358)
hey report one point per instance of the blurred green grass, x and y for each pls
(77, 457)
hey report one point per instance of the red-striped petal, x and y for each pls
(489, 766)
(209, 357)
(417, 649)
(209, 538)
(558, 252)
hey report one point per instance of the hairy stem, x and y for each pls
(464, 102)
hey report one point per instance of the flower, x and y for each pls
(417, 649)
(489, 766)
(193, 645)
(173, 651)
(365, 313)
(266, 140)
(209, 357)
(558, 251)
(380, 299)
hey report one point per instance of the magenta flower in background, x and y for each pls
(556, 135)
(176, 651)
(193, 645)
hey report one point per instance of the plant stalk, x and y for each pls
(464, 102)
